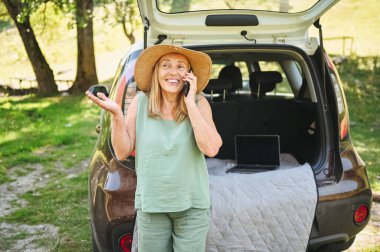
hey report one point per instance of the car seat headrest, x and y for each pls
(218, 86)
(232, 73)
(263, 82)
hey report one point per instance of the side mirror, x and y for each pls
(98, 88)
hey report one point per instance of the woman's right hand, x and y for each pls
(104, 102)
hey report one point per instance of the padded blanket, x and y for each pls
(266, 211)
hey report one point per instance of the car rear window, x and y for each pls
(289, 6)
(283, 88)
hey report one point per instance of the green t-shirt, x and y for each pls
(171, 170)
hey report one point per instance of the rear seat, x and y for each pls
(232, 73)
(225, 114)
(217, 89)
(259, 115)
(263, 82)
(269, 115)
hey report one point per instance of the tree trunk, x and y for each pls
(42, 70)
(86, 68)
(129, 35)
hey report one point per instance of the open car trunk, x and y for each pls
(264, 90)
(275, 95)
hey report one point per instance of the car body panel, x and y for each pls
(189, 28)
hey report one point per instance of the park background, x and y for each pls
(48, 141)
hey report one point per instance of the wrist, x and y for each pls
(190, 102)
(117, 115)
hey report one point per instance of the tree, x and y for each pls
(82, 10)
(124, 13)
(86, 67)
(42, 70)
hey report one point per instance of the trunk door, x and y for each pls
(191, 22)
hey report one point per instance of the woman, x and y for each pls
(171, 132)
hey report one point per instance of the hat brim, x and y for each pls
(200, 63)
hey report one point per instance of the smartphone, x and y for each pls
(186, 88)
(98, 88)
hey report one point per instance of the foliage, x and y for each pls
(68, 7)
(124, 13)
(4, 17)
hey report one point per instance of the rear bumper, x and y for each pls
(334, 220)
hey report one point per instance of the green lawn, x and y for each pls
(57, 132)
(62, 128)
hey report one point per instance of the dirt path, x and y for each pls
(18, 236)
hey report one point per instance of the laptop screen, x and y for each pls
(261, 150)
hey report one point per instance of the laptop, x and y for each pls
(256, 153)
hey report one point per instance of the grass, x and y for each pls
(62, 203)
(49, 131)
(44, 131)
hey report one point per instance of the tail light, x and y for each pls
(341, 100)
(361, 214)
(344, 127)
(125, 242)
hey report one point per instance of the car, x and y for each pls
(269, 77)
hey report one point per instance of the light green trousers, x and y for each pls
(178, 231)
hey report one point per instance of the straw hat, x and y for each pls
(200, 64)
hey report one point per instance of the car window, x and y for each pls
(125, 82)
(283, 88)
(244, 73)
(290, 6)
(217, 67)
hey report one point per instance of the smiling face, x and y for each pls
(172, 68)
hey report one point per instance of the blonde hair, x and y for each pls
(156, 101)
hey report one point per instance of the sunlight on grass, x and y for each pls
(10, 136)
(53, 123)
(366, 149)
